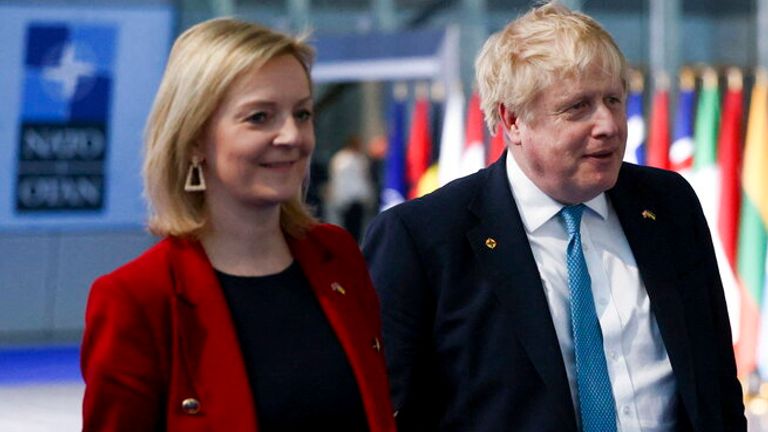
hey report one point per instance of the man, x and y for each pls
(559, 289)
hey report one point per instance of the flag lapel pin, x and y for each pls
(647, 214)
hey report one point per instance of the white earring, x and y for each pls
(195, 179)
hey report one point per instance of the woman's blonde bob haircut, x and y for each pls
(204, 61)
(549, 43)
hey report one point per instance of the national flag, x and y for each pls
(707, 122)
(473, 158)
(635, 150)
(429, 181)
(658, 141)
(753, 232)
(681, 151)
(419, 144)
(497, 146)
(452, 137)
(394, 180)
(705, 179)
(729, 161)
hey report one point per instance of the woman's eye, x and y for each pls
(304, 115)
(257, 118)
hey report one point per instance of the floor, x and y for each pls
(41, 391)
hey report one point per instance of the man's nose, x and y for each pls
(606, 120)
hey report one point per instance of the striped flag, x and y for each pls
(729, 161)
(707, 122)
(681, 151)
(753, 232)
(635, 151)
(452, 138)
(419, 144)
(429, 181)
(394, 180)
(705, 179)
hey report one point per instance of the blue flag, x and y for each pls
(635, 152)
(394, 180)
(681, 151)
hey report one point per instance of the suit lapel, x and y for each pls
(644, 226)
(517, 283)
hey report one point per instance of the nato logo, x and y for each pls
(66, 100)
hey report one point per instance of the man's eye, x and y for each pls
(579, 105)
(257, 118)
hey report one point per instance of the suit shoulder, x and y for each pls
(656, 181)
(145, 273)
(449, 199)
(331, 236)
(651, 175)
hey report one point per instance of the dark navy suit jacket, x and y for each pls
(469, 339)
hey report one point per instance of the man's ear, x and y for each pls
(511, 124)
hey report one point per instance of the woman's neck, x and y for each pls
(247, 246)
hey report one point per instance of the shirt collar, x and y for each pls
(536, 207)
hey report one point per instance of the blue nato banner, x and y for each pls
(77, 85)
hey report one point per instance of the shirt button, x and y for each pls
(626, 410)
(612, 354)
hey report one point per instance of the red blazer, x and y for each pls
(158, 333)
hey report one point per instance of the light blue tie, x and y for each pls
(598, 412)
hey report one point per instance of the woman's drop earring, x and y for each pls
(195, 179)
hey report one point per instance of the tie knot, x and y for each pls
(571, 215)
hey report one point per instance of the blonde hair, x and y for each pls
(204, 61)
(546, 44)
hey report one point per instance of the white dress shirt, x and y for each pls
(638, 364)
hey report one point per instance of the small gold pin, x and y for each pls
(376, 344)
(490, 243)
(647, 214)
(338, 288)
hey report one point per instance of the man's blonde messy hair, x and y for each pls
(547, 44)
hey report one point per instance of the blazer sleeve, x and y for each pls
(731, 394)
(121, 363)
(407, 310)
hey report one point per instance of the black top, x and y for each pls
(299, 374)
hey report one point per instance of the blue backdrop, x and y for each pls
(76, 85)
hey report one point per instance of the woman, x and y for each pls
(248, 315)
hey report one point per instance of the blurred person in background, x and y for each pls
(350, 189)
(248, 315)
(558, 290)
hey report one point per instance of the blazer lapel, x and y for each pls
(330, 276)
(207, 342)
(643, 224)
(508, 261)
